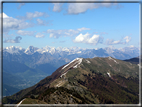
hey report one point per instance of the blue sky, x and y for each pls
(85, 25)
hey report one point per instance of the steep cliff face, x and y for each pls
(86, 81)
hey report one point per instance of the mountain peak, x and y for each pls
(13, 49)
(31, 47)
(31, 50)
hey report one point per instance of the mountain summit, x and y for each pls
(31, 50)
(85, 81)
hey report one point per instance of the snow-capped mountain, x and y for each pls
(14, 49)
(30, 50)
(33, 56)
(131, 50)
(74, 52)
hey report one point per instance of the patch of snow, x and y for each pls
(58, 85)
(88, 61)
(108, 74)
(78, 59)
(20, 48)
(20, 103)
(112, 59)
(79, 52)
(65, 49)
(131, 46)
(110, 65)
(75, 66)
(68, 64)
(109, 58)
(115, 61)
(26, 50)
(52, 51)
(63, 74)
(44, 51)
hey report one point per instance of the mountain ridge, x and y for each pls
(97, 80)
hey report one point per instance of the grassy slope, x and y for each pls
(91, 83)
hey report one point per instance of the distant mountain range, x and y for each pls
(85, 81)
(69, 54)
(56, 57)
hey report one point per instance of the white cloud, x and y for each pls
(30, 15)
(65, 32)
(127, 39)
(112, 42)
(57, 7)
(10, 23)
(34, 15)
(39, 35)
(20, 5)
(42, 22)
(8, 36)
(24, 33)
(95, 39)
(116, 42)
(30, 33)
(81, 37)
(16, 40)
(83, 28)
(4, 15)
(122, 41)
(76, 8)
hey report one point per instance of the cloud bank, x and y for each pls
(25, 33)
(77, 8)
(65, 32)
(125, 40)
(10, 23)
